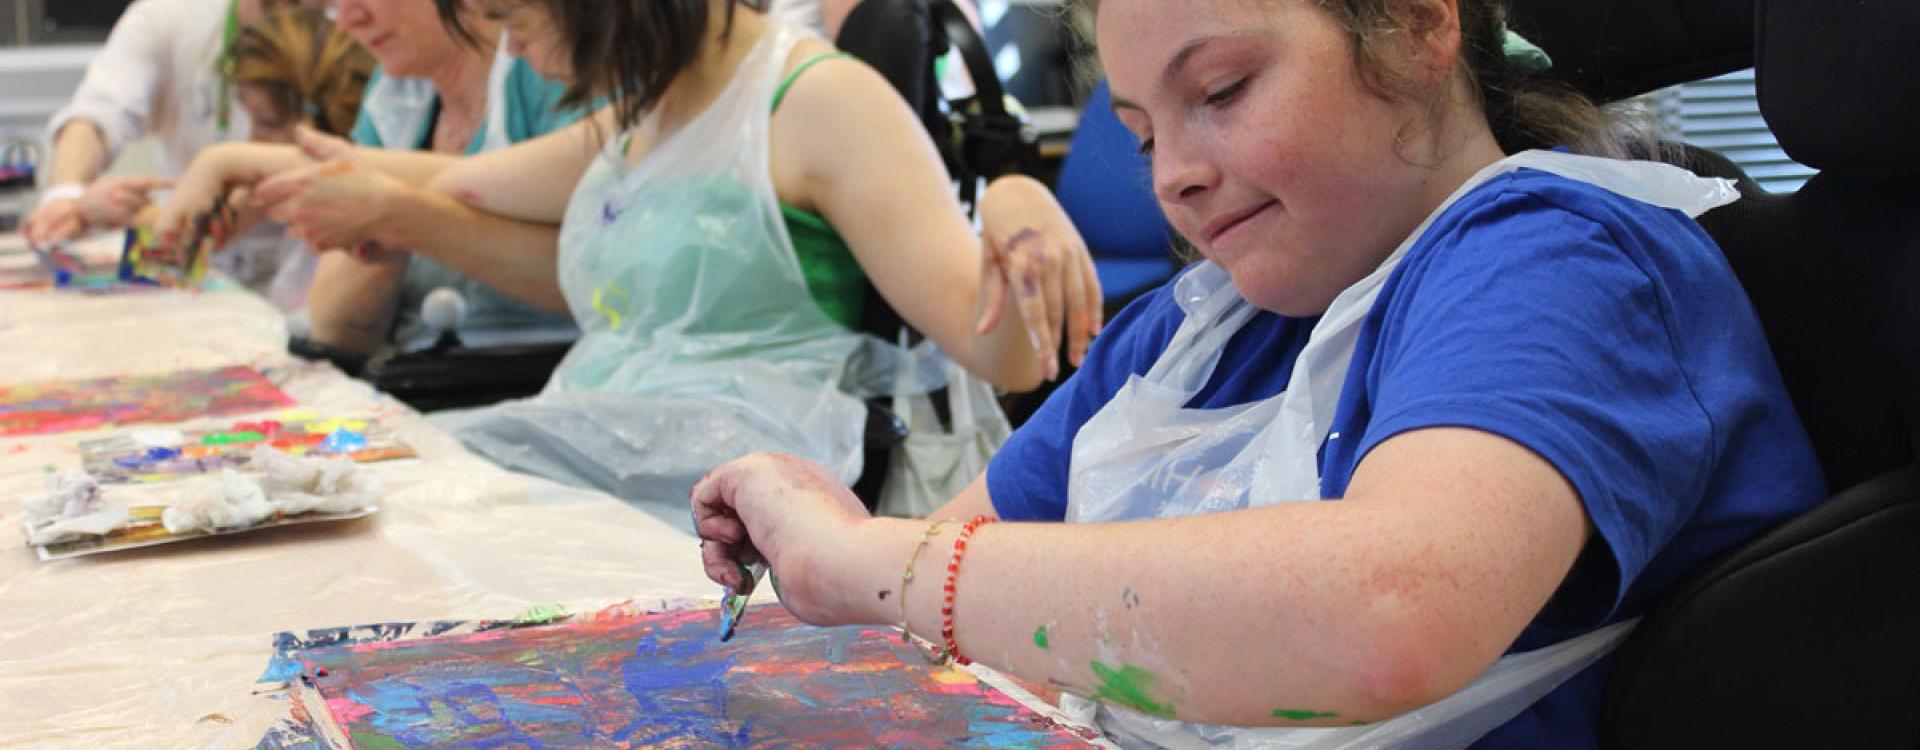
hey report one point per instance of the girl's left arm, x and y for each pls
(1448, 543)
(847, 146)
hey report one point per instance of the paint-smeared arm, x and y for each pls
(1323, 613)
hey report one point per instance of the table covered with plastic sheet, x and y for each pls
(161, 646)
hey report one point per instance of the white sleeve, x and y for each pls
(117, 94)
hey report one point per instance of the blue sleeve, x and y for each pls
(535, 104)
(1027, 478)
(1536, 323)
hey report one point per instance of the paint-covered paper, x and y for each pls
(68, 405)
(619, 679)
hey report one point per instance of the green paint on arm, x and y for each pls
(1129, 686)
(1293, 715)
(1040, 637)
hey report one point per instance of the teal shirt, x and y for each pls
(532, 111)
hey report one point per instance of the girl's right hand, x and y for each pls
(791, 513)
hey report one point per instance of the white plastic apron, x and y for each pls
(699, 338)
(1146, 455)
(401, 108)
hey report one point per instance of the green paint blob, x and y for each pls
(226, 438)
(541, 614)
(1040, 637)
(1129, 686)
(370, 741)
(1292, 715)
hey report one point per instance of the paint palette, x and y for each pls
(67, 405)
(162, 455)
(620, 679)
(145, 530)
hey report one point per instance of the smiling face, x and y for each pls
(405, 36)
(1269, 153)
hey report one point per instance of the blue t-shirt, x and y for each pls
(532, 111)
(1607, 335)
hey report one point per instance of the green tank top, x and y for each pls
(834, 277)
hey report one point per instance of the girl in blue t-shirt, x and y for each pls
(1528, 380)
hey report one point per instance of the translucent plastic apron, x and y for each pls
(1146, 455)
(700, 341)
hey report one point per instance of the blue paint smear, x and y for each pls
(664, 685)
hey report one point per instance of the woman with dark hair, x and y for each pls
(722, 219)
(1522, 379)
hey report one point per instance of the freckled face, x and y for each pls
(1268, 152)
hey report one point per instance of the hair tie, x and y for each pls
(1522, 54)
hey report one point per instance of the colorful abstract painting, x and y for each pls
(64, 406)
(146, 456)
(620, 680)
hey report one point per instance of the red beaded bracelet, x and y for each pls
(953, 574)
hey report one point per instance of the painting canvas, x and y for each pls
(139, 457)
(622, 679)
(64, 406)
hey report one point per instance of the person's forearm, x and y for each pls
(415, 168)
(1315, 618)
(1005, 356)
(515, 257)
(351, 303)
(80, 154)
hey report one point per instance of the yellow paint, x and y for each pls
(600, 300)
(951, 676)
(328, 427)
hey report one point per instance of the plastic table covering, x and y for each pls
(161, 647)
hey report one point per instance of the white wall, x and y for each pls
(36, 81)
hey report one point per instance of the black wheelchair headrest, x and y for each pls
(1613, 49)
(1839, 88)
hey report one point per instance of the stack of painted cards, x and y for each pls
(622, 679)
(156, 485)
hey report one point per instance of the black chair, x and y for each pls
(977, 138)
(1808, 636)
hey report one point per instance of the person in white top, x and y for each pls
(158, 75)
